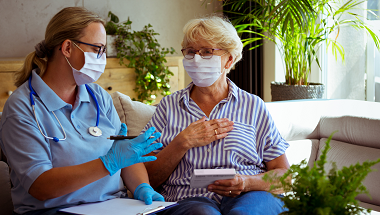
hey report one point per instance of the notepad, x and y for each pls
(201, 178)
(119, 206)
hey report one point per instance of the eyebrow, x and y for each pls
(100, 44)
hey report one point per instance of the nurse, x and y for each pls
(54, 127)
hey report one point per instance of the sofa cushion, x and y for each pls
(297, 119)
(357, 130)
(375, 208)
(358, 122)
(299, 150)
(6, 204)
(345, 154)
(133, 113)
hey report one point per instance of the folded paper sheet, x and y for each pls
(117, 206)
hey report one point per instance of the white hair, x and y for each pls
(216, 31)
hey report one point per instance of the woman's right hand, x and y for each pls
(202, 132)
(125, 153)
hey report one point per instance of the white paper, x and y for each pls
(115, 206)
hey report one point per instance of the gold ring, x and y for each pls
(216, 133)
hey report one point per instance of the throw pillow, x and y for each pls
(133, 113)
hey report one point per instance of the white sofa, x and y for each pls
(305, 124)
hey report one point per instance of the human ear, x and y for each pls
(66, 48)
(229, 62)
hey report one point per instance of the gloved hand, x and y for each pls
(125, 153)
(147, 194)
(123, 129)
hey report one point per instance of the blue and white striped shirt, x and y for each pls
(254, 139)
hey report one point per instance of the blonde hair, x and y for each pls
(66, 24)
(216, 31)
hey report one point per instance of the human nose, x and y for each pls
(197, 57)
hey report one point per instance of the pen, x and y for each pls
(120, 137)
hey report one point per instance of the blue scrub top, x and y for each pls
(30, 154)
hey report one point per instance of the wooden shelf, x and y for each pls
(115, 78)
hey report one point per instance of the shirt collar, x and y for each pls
(50, 99)
(232, 91)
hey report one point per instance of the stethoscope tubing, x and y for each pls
(96, 102)
(32, 92)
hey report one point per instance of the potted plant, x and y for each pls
(298, 28)
(314, 191)
(140, 50)
(111, 28)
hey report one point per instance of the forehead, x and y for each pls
(94, 33)
(200, 44)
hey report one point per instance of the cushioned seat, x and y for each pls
(6, 205)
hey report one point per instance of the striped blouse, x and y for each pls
(254, 139)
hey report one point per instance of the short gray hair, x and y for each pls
(216, 31)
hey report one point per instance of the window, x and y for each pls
(373, 55)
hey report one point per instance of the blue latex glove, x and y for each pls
(147, 194)
(125, 153)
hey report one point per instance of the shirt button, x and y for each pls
(78, 126)
(72, 116)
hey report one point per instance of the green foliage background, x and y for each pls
(145, 54)
(313, 191)
(298, 28)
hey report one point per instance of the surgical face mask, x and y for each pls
(203, 72)
(91, 70)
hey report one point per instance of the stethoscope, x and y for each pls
(94, 131)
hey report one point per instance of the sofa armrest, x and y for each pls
(6, 204)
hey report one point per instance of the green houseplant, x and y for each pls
(314, 191)
(298, 28)
(111, 27)
(143, 53)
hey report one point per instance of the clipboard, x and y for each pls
(122, 206)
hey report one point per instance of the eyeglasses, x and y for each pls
(101, 50)
(205, 53)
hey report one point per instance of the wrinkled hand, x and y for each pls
(202, 132)
(125, 153)
(147, 194)
(223, 187)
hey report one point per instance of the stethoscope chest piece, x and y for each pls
(95, 131)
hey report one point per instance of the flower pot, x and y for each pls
(281, 91)
(111, 46)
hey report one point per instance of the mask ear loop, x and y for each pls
(78, 47)
(68, 60)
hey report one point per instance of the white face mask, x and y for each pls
(92, 69)
(203, 72)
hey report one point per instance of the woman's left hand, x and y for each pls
(230, 188)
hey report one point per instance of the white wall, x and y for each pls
(23, 22)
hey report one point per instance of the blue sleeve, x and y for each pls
(158, 121)
(29, 152)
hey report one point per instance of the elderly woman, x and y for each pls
(213, 124)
